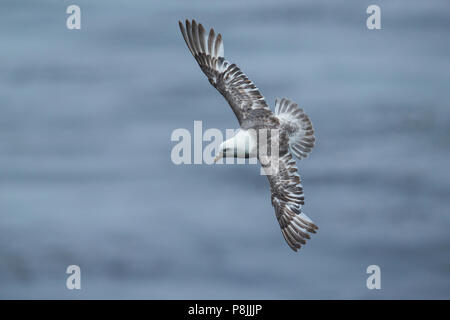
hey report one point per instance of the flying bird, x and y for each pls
(295, 131)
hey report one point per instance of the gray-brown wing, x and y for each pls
(228, 79)
(287, 199)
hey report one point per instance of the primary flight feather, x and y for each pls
(295, 132)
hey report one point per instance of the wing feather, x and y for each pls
(287, 200)
(239, 91)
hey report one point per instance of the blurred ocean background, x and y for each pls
(86, 176)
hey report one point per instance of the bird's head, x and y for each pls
(225, 150)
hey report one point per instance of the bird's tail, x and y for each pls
(298, 125)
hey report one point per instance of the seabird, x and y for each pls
(295, 131)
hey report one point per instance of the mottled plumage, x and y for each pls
(293, 125)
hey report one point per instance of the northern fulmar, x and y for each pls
(295, 131)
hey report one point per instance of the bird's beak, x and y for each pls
(218, 157)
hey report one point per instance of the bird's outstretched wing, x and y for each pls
(228, 79)
(287, 199)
